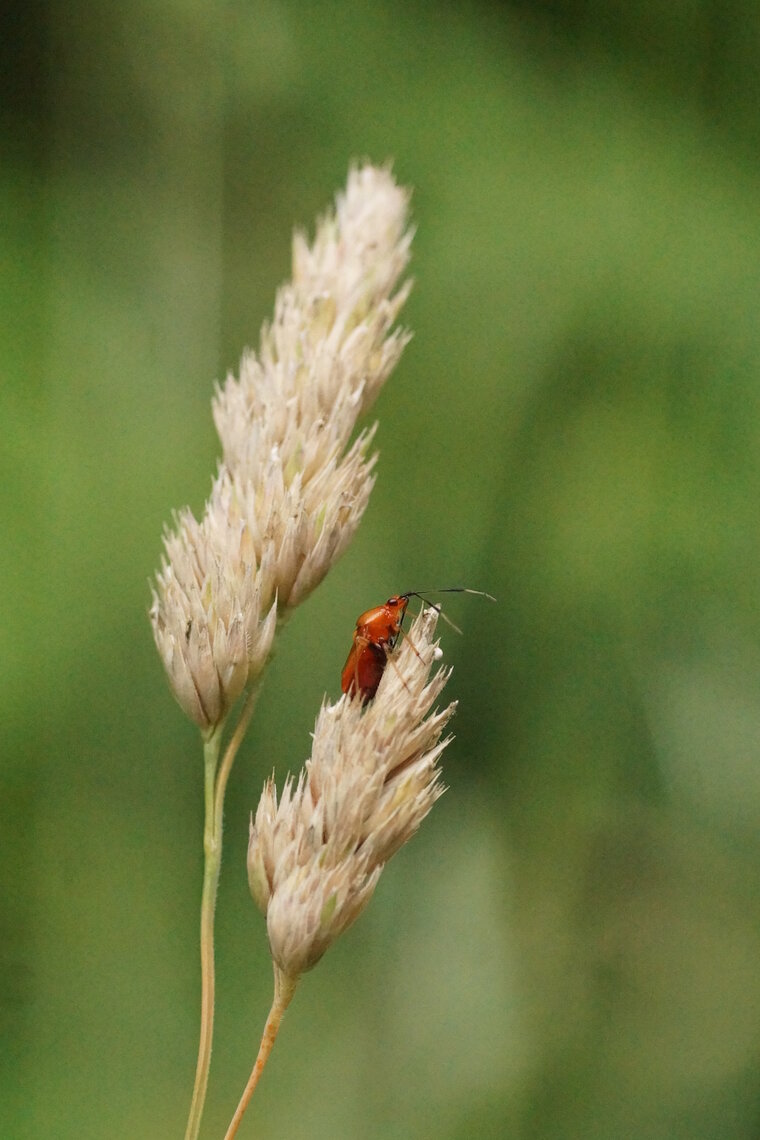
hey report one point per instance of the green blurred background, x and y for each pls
(571, 946)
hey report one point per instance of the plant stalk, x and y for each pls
(214, 790)
(284, 988)
(212, 862)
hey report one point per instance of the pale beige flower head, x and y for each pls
(291, 487)
(212, 614)
(315, 854)
(286, 422)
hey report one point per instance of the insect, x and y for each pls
(377, 631)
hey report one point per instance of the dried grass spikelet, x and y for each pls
(209, 617)
(315, 855)
(285, 423)
(290, 490)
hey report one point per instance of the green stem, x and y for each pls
(212, 849)
(214, 789)
(226, 766)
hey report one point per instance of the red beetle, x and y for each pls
(377, 631)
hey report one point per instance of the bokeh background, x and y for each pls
(571, 946)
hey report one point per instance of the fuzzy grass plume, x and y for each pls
(291, 489)
(316, 852)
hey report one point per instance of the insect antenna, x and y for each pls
(446, 590)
